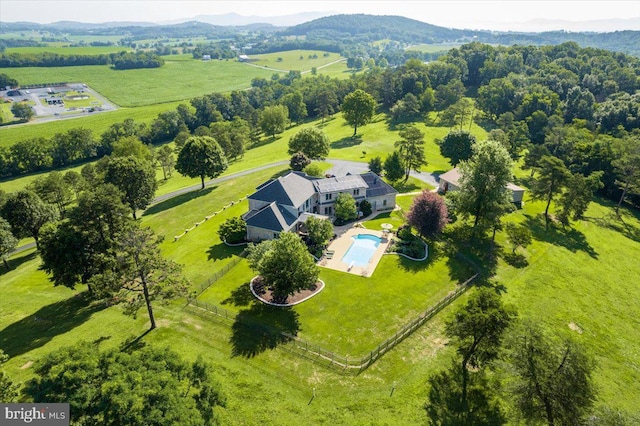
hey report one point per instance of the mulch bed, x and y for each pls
(264, 291)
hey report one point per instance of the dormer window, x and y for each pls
(327, 197)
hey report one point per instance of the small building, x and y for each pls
(283, 204)
(449, 181)
(243, 58)
(206, 57)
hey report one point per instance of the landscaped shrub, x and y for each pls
(365, 208)
(233, 230)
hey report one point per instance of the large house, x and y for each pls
(449, 181)
(282, 204)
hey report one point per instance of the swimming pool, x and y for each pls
(361, 250)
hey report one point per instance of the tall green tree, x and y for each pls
(393, 169)
(7, 241)
(457, 146)
(375, 165)
(83, 245)
(53, 189)
(27, 214)
(22, 111)
(285, 264)
(345, 207)
(201, 157)
(131, 146)
(627, 167)
(143, 275)
(411, 150)
(151, 386)
(274, 119)
(553, 381)
(552, 178)
(483, 191)
(320, 231)
(135, 178)
(164, 157)
(295, 106)
(312, 142)
(578, 195)
(358, 108)
(477, 330)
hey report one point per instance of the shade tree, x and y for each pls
(550, 182)
(312, 142)
(285, 265)
(27, 214)
(299, 161)
(358, 108)
(274, 120)
(483, 191)
(393, 169)
(201, 157)
(135, 178)
(411, 150)
(457, 146)
(7, 241)
(152, 386)
(553, 379)
(345, 207)
(233, 230)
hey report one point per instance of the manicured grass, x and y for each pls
(175, 81)
(352, 314)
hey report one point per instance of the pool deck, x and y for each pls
(340, 246)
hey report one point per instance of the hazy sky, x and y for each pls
(459, 14)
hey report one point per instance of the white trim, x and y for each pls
(283, 305)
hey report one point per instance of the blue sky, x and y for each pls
(478, 14)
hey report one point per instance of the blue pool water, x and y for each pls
(361, 249)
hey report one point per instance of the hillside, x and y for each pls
(372, 27)
(369, 28)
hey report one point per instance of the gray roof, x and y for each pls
(292, 189)
(342, 183)
(272, 217)
(452, 176)
(376, 186)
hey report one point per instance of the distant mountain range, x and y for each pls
(236, 20)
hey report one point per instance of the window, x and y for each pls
(327, 210)
(356, 192)
(327, 197)
(384, 202)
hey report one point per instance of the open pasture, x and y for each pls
(66, 49)
(175, 81)
(295, 60)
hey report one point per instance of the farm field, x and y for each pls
(175, 81)
(433, 48)
(295, 60)
(65, 49)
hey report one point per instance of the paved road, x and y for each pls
(340, 168)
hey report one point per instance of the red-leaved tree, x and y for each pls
(428, 214)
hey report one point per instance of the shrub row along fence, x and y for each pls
(311, 351)
(206, 218)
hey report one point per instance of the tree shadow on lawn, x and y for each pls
(435, 253)
(241, 296)
(571, 239)
(178, 200)
(468, 255)
(223, 251)
(627, 228)
(50, 321)
(262, 327)
(347, 142)
(517, 260)
(16, 261)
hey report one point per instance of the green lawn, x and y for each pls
(433, 48)
(586, 277)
